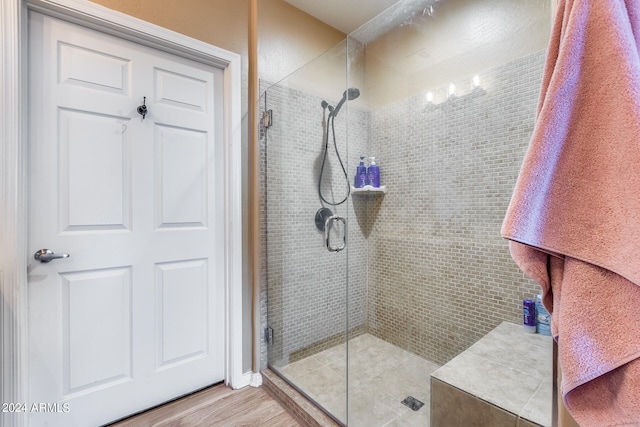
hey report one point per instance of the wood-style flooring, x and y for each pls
(217, 406)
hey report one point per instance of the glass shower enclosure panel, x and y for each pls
(307, 215)
(443, 94)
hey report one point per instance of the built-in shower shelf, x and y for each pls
(367, 189)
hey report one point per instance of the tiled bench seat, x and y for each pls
(504, 379)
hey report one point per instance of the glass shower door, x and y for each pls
(306, 204)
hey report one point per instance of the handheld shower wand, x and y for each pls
(348, 95)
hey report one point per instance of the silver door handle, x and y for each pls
(327, 228)
(47, 255)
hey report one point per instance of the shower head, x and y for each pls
(351, 93)
(348, 95)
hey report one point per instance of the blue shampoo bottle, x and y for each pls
(373, 173)
(361, 175)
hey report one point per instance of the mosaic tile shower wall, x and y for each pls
(428, 270)
(440, 275)
(306, 284)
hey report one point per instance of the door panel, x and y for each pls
(181, 177)
(191, 95)
(95, 172)
(96, 70)
(182, 296)
(95, 358)
(134, 317)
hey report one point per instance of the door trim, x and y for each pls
(13, 177)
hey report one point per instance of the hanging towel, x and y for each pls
(574, 217)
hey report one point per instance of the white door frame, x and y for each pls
(14, 131)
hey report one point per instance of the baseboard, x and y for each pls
(255, 379)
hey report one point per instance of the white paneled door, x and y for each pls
(135, 315)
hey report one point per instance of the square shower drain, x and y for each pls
(413, 403)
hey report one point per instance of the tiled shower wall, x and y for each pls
(441, 276)
(427, 268)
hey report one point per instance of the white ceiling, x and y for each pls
(344, 15)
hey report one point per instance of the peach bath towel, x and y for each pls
(574, 217)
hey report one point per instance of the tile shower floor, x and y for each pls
(381, 376)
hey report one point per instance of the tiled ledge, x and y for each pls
(299, 406)
(507, 375)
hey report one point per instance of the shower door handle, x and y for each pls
(328, 224)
